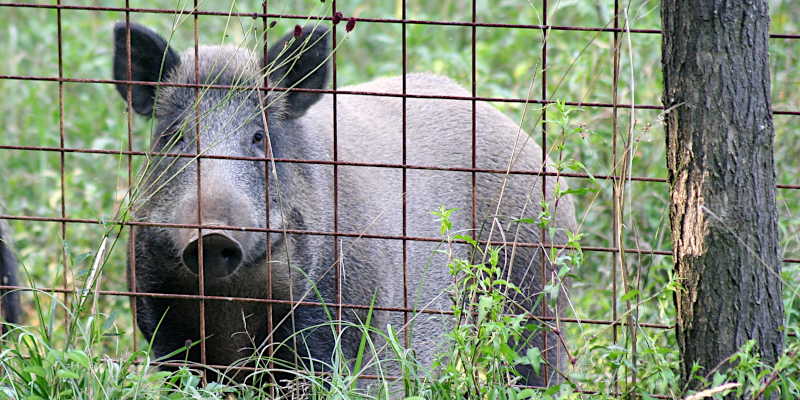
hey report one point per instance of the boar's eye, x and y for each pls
(258, 137)
(171, 137)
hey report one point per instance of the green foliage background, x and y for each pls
(509, 65)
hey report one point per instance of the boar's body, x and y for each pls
(438, 134)
(9, 299)
(300, 197)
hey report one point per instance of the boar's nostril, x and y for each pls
(221, 255)
(229, 254)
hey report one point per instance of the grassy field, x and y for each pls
(509, 64)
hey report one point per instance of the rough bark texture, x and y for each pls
(722, 179)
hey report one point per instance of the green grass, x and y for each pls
(509, 64)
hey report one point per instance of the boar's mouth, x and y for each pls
(222, 255)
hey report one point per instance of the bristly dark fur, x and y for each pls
(11, 309)
(223, 66)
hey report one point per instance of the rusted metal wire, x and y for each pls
(614, 190)
(345, 163)
(61, 161)
(267, 223)
(201, 286)
(343, 234)
(256, 15)
(129, 117)
(336, 241)
(543, 275)
(313, 232)
(327, 162)
(308, 303)
(355, 93)
(404, 150)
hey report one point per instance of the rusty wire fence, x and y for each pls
(50, 155)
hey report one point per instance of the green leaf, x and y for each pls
(467, 239)
(363, 343)
(533, 357)
(630, 295)
(507, 352)
(494, 255)
(67, 374)
(552, 390)
(552, 289)
(578, 191)
(526, 393)
(79, 357)
(484, 306)
(718, 380)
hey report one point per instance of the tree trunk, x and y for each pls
(722, 180)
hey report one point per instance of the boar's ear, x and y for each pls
(151, 60)
(299, 60)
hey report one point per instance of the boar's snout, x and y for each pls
(222, 255)
(222, 251)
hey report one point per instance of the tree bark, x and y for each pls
(722, 180)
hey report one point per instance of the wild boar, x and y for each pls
(240, 128)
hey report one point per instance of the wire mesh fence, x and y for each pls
(582, 79)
